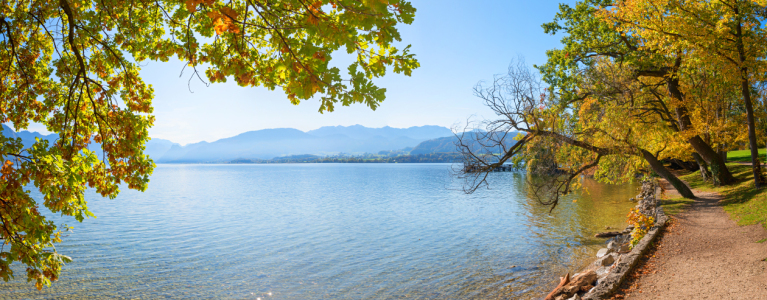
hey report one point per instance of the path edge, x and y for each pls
(610, 284)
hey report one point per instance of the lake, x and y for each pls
(327, 231)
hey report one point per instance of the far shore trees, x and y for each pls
(73, 65)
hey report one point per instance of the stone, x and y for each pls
(607, 260)
(632, 200)
(575, 297)
(603, 252)
(602, 272)
(622, 239)
(624, 248)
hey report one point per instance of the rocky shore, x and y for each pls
(613, 262)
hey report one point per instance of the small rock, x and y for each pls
(607, 260)
(608, 227)
(624, 248)
(632, 200)
(602, 272)
(613, 245)
(603, 252)
(575, 297)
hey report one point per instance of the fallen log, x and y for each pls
(607, 234)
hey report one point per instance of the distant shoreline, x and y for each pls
(367, 158)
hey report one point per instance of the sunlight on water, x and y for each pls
(327, 231)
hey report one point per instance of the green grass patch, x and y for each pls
(674, 206)
(761, 241)
(742, 201)
(744, 155)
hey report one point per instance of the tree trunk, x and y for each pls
(723, 154)
(704, 173)
(718, 167)
(745, 89)
(715, 162)
(658, 167)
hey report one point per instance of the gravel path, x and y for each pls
(704, 255)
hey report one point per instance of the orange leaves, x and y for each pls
(7, 169)
(319, 55)
(191, 5)
(313, 20)
(223, 20)
(316, 7)
(315, 12)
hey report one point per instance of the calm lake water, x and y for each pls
(327, 231)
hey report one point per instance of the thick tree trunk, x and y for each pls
(723, 154)
(745, 89)
(703, 166)
(715, 162)
(718, 167)
(658, 167)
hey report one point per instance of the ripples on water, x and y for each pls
(326, 231)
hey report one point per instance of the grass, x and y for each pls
(673, 206)
(742, 201)
(744, 155)
(761, 241)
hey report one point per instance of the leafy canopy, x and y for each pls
(73, 65)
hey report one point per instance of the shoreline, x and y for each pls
(603, 277)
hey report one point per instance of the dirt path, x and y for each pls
(705, 255)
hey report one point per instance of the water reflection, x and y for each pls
(328, 232)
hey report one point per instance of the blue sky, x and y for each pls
(458, 43)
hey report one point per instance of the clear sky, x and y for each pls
(458, 43)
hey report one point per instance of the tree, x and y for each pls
(72, 65)
(727, 30)
(591, 36)
(606, 131)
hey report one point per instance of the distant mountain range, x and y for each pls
(271, 143)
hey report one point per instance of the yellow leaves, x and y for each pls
(642, 224)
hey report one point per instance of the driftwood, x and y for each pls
(562, 282)
(607, 234)
(579, 284)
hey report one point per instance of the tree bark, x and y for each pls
(718, 167)
(745, 89)
(658, 167)
(704, 173)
